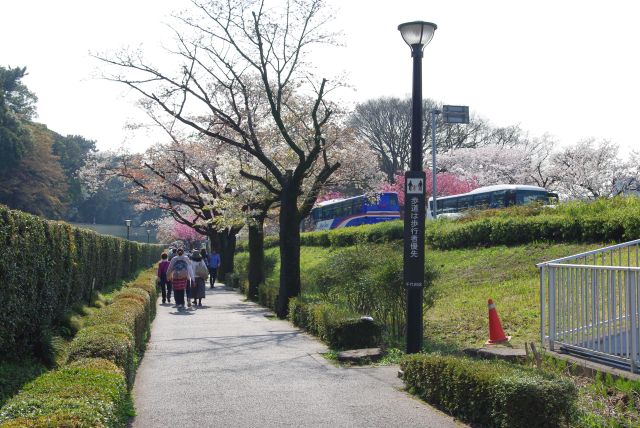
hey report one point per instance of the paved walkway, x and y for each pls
(226, 365)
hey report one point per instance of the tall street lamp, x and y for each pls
(128, 224)
(417, 35)
(148, 233)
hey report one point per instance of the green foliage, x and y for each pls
(335, 325)
(603, 220)
(268, 295)
(72, 152)
(14, 374)
(129, 313)
(16, 107)
(242, 268)
(52, 266)
(112, 342)
(88, 393)
(367, 279)
(493, 394)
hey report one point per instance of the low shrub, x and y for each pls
(147, 283)
(137, 295)
(127, 312)
(88, 393)
(113, 342)
(268, 295)
(490, 393)
(367, 279)
(334, 325)
(14, 374)
(355, 333)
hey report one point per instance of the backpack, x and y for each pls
(201, 270)
(180, 270)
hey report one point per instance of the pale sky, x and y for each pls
(569, 68)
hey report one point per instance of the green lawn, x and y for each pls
(468, 278)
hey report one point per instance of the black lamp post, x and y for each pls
(417, 35)
(128, 224)
(148, 232)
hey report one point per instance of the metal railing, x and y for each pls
(589, 304)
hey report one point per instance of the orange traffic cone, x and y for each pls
(496, 334)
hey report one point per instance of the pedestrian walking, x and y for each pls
(213, 265)
(180, 274)
(201, 274)
(165, 285)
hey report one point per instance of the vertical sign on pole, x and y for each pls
(414, 215)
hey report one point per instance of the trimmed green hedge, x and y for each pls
(335, 325)
(603, 220)
(92, 389)
(490, 393)
(125, 311)
(50, 266)
(88, 393)
(111, 342)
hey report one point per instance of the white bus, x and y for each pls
(499, 196)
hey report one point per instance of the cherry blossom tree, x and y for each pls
(169, 230)
(488, 165)
(242, 80)
(593, 169)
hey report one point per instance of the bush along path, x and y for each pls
(92, 388)
(225, 364)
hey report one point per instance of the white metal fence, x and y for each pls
(589, 304)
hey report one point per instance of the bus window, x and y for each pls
(528, 196)
(393, 200)
(481, 201)
(498, 199)
(448, 205)
(464, 203)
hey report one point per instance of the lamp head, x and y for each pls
(417, 34)
(127, 222)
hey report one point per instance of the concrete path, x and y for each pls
(226, 365)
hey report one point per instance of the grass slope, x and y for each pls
(466, 279)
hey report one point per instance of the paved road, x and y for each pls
(226, 365)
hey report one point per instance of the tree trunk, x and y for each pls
(289, 249)
(256, 256)
(227, 250)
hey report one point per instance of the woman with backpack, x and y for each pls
(180, 274)
(201, 274)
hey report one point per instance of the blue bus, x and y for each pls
(354, 211)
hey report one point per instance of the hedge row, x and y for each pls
(614, 225)
(92, 389)
(49, 266)
(334, 325)
(87, 393)
(490, 393)
(606, 227)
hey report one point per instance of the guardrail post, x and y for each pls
(633, 325)
(552, 307)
